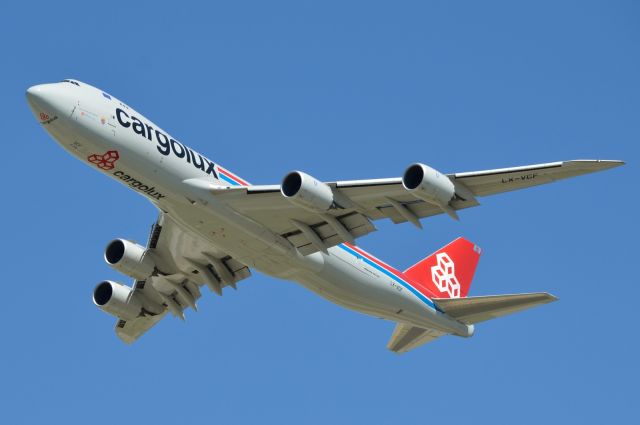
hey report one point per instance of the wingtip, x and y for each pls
(599, 164)
(611, 163)
(617, 163)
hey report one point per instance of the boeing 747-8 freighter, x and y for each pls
(214, 227)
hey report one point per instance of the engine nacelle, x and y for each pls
(307, 192)
(129, 258)
(117, 299)
(428, 184)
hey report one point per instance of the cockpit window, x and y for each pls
(70, 81)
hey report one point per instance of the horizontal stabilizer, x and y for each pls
(478, 309)
(407, 337)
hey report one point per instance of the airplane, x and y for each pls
(213, 227)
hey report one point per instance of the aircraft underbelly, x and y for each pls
(344, 281)
(336, 276)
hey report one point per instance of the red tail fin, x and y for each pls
(448, 272)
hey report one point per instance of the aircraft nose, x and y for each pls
(40, 94)
(33, 91)
(48, 101)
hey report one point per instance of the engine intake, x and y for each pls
(303, 190)
(429, 185)
(129, 258)
(117, 299)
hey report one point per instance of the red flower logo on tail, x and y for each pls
(106, 161)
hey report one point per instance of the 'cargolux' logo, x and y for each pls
(106, 161)
(443, 276)
(46, 119)
(165, 144)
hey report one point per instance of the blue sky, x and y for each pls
(342, 90)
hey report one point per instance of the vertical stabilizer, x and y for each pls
(448, 272)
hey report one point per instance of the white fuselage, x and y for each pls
(89, 124)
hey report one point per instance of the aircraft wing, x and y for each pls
(185, 263)
(491, 182)
(364, 201)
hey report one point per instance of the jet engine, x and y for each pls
(117, 299)
(129, 258)
(430, 185)
(303, 190)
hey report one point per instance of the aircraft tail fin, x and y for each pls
(448, 272)
(478, 309)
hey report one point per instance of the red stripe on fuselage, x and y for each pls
(417, 285)
(232, 176)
